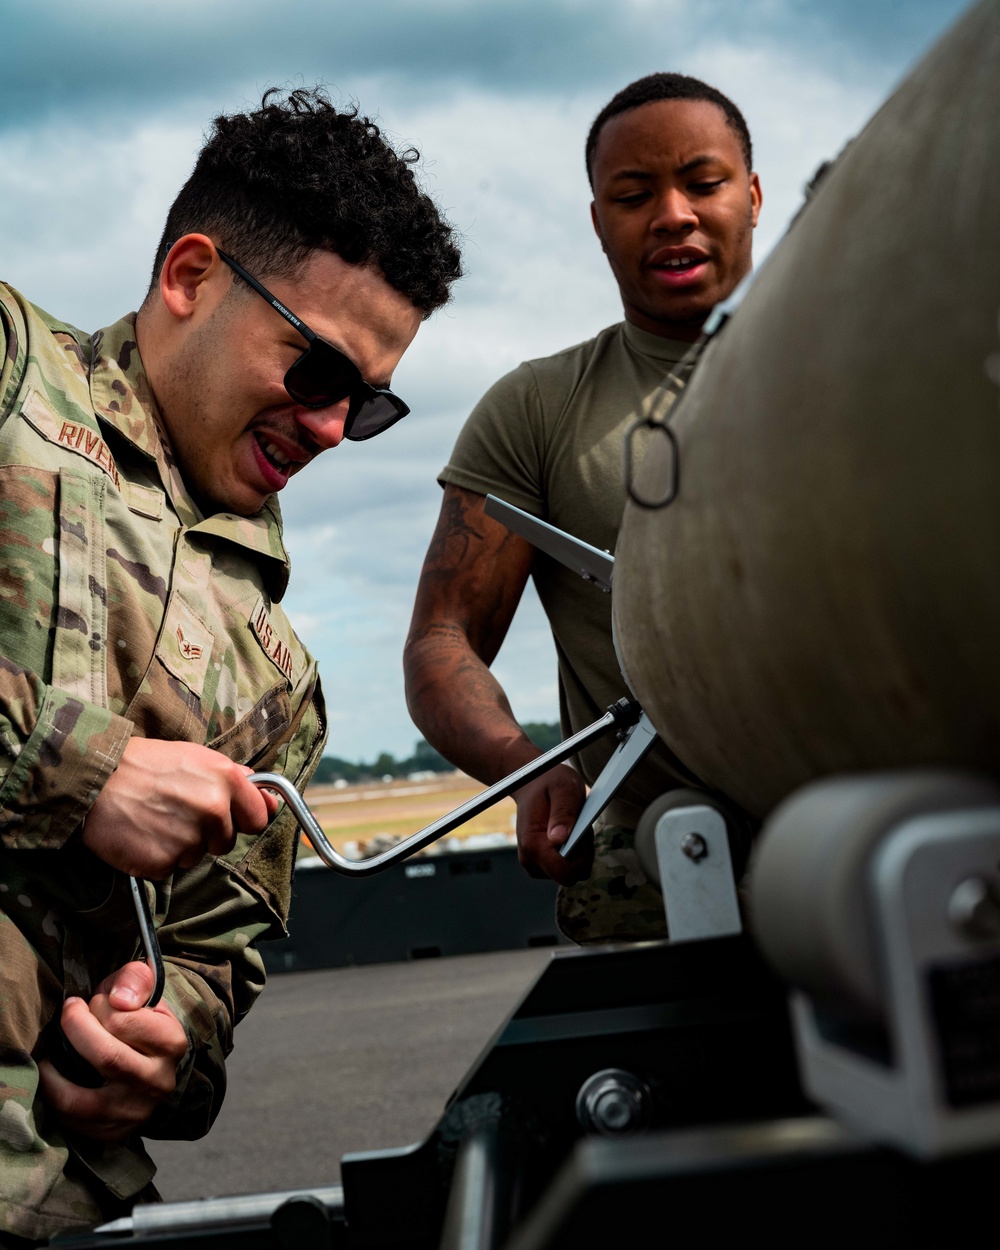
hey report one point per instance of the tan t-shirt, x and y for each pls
(548, 438)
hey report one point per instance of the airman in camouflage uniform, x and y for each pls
(123, 611)
(139, 614)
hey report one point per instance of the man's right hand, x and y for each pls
(168, 804)
(547, 809)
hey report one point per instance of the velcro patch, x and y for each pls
(145, 500)
(275, 647)
(72, 434)
(185, 646)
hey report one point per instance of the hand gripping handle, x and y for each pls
(66, 1058)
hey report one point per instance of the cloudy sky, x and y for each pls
(103, 106)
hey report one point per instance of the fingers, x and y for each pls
(270, 798)
(136, 1050)
(130, 987)
(154, 1033)
(565, 801)
(112, 1057)
(251, 809)
(272, 801)
(119, 1006)
(167, 804)
(546, 812)
(84, 1110)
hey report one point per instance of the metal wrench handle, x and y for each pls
(618, 716)
(150, 942)
(65, 1056)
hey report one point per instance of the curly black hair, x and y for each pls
(667, 87)
(297, 174)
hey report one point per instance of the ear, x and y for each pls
(191, 276)
(756, 197)
(597, 226)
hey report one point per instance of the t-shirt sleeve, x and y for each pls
(500, 449)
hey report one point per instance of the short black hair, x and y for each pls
(272, 184)
(668, 87)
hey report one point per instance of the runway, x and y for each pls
(340, 1060)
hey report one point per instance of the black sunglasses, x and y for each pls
(322, 375)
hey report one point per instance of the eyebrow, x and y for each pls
(338, 347)
(686, 168)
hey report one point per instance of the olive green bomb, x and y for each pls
(823, 595)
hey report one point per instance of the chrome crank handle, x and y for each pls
(150, 942)
(618, 717)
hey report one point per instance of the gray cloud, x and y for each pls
(113, 55)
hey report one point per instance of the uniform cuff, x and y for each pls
(73, 749)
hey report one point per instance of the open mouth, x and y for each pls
(680, 264)
(679, 271)
(274, 455)
(274, 464)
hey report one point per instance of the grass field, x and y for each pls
(357, 813)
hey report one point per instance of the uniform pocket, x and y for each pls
(170, 701)
(251, 737)
(185, 645)
(79, 653)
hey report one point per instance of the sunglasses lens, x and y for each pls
(321, 376)
(373, 414)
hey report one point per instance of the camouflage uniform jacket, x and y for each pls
(123, 611)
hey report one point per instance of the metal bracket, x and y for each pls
(635, 744)
(591, 563)
(696, 874)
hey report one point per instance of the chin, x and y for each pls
(245, 509)
(241, 505)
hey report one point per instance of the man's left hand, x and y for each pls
(136, 1048)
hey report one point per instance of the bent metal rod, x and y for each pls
(619, 716)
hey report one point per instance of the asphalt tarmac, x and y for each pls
(340, 1060)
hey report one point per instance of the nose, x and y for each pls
(674, 213)
(325, 426)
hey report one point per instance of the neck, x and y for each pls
(680, 331)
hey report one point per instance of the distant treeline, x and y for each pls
(423, 760)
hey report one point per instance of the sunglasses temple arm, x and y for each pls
(618, 717)
(276, 304)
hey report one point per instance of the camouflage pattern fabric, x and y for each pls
(123, 611)
(617, 902)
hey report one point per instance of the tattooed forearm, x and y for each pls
(450, 544)
(469, 589)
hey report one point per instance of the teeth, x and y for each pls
(277, 456)
(682, 263)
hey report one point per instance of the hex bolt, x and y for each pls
(614, 1110)
(974, 909)
(613, 1103)
(694, 846)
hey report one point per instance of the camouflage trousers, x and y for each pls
(616, 903)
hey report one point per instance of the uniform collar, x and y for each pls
(671, 350)
(261, 533)
(123, 399)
